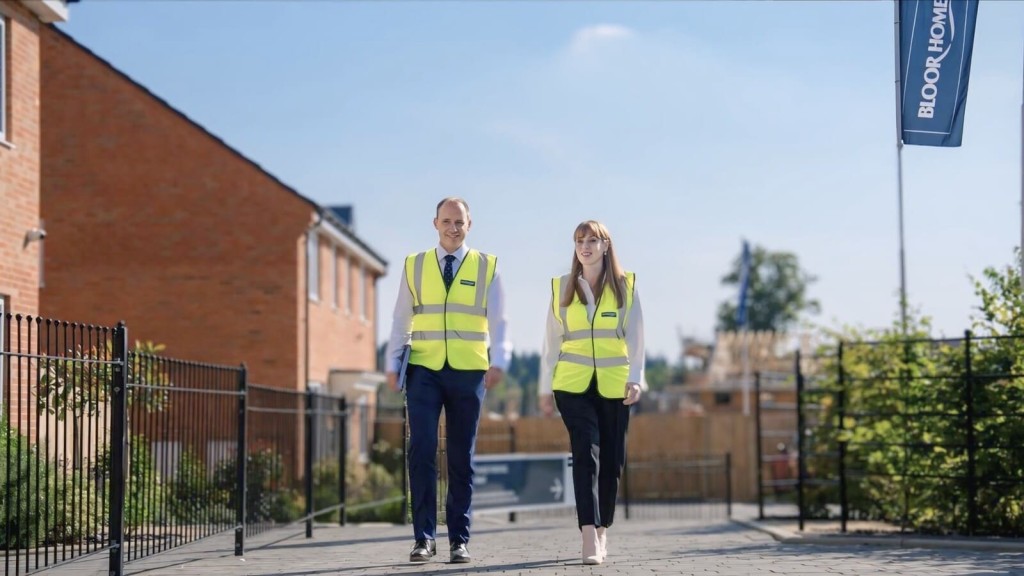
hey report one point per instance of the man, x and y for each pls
(450, 304)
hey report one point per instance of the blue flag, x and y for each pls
(936, 38)
(741, 308)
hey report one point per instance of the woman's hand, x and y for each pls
(547, 404)
(632, 393)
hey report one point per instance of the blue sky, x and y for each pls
(684, 126)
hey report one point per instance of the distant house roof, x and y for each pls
(757, 351)
(343, 224)
(343, 213)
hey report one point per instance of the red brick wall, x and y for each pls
(153, 221)
(19, 162)
(340, 338)
(19, 201)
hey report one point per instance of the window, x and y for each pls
(3, 78)
(334, 277)
(351, 304)
(363, 300)
(313, 264)
(346, 270)
(723, 398)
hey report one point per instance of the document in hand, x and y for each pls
(406, 351)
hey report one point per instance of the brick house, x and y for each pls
(21, 249)
(153, 220)
(20, 253)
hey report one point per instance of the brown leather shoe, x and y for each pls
(460, 554)
(423, 551)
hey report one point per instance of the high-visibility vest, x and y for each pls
(449, 324)
(589, 347)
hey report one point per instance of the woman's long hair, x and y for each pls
(612, 274)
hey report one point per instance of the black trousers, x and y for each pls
(597, 434)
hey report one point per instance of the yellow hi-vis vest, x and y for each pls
(592, 346)
(449, 325)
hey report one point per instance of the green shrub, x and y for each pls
(267, 498)
(39, 504)
(146, 494)
(373, 482)
(193, 496)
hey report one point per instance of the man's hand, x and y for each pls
(632, 393)
(547, 404)
(393, 381)
(493, 377)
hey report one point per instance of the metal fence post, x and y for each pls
(972, 443)
(844, 503)
(760, 449)
(310, 451)
(512, 450)
(240, 461)
(118, 436)
(801, 471)
(728, 485)
(342, 459)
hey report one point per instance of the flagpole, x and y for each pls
(899, 170)
(1021, 249)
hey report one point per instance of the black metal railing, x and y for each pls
(52, 437)
(672, 487)
(776, 445)
(180, 433)
(922, 434)
(125, 451)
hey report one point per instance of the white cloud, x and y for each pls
(585, 39)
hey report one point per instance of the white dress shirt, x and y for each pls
(634, 326)
(401, 325)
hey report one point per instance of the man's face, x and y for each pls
(452, 224)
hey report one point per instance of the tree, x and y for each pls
(776, 292)
(659, 373)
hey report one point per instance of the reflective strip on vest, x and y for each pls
(588, 334)
(449, 335)
(595, 362)
(442, 308)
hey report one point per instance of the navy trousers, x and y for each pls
(597, 436)
(461, 394)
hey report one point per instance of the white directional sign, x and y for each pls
(512, 482)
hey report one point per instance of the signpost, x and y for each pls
(518, 482)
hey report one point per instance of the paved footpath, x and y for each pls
(550, 547)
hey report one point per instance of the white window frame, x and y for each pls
(350, 306)
(4, 27)
(313, 264)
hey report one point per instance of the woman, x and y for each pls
(593, 362)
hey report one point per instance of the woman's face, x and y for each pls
(590, 249)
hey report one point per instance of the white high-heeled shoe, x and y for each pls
(602, 542)
(591, 553)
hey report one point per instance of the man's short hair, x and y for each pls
(454, 199)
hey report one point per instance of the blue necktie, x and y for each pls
(449, 275)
